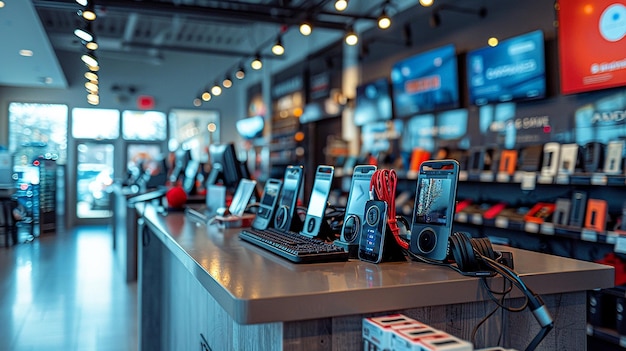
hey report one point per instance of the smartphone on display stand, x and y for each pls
(265, 213)
(358, 195)
(318, 201)
(286, 210)
(433, 211)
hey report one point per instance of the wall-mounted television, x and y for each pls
(426, 82)
(514, 70)
(592, 39)
(373, 102)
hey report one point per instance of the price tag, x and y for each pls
(611, 237)
(543, 179)
(502, 222)
(547, 228)
(462, 176)
(486, 177)
(598, 179)
(529, 180)
(477, 219)
(562, 179)
(620, 244)
(531, 227)
(461, 217)
(502, 177)
(589, 235)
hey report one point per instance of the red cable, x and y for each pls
(384, 185)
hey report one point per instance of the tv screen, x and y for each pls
(514, 70)
(373, 102)
(426, 82)
(592, 38)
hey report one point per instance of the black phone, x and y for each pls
(433, 211)
(373, 231)
(318, 200)
(292, 183)
(265, 213)
(358, 195)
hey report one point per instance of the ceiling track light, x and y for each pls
(278, 49)
(341, 5)
(216, 90)
(82, 2)
(306, 28)
(241, 73)
(90, 60)
(351, 37)
(256, 63)
(84, 34)
(384, 21)
(88, 13)
(92, 76)
(227, 82)
(206, 96)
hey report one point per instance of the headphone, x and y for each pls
(468, 252)
(476, 257)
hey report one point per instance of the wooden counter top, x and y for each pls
(255, 286)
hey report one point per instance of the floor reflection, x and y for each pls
(66, 291)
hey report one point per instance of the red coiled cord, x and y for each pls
(383, 183)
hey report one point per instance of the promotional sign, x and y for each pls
(426, 82)
(592, 44)
(513, 70)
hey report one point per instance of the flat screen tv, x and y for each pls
(592, 42)
(514, 70)
(425, 82)
(373, 102)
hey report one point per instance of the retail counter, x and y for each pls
(201, 287)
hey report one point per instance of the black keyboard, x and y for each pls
(295, 247)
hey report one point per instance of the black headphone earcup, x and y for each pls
(462, 252)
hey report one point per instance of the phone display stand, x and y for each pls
(242, 221)
(351, 248)
(326, 233)
(392, 252)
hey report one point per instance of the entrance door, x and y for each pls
(94, 176)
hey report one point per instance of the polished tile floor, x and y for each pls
(65, 291)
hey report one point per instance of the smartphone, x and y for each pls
(358, 195)
(433, 211)
(265, 213)
(318, 200)
(292, 183)
(242, 196)
(373, 231)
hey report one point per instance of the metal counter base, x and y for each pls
(197, 290)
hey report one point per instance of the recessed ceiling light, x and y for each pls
(26, 53)
(1, 4)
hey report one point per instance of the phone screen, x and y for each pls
(359, 194)
(290, 188)
(319, 197)
(433, 201)
(269, 195)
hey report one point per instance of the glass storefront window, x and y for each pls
(38, 130)
(95, 123)
(194, 130)
(144, 125)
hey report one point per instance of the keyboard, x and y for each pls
(295, 247)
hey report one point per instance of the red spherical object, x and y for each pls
(176, 197)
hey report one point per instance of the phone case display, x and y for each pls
(47, 196)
